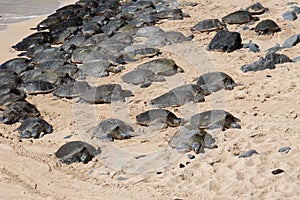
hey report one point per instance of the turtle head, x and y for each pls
(26, 134)
(85, 156)
(229, 83)
(196, 146)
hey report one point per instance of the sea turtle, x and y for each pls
(34, 127)
(266, 26)
(76, 151)
(239, 17)
(111, 129)
(37, 87)
(167, 38)
(18, 112)
(225, 41)
(9, 78)
(256, 9)
(208, 25)
(106, 93)
(188, 139)
(142, 77)
(134, 52)
(215, 119)
(158, 116)
(99, 68)
(9, 95)
(179, 96)
(17, 65)
(162, 66)
(215, 81)
(72, 90)
(33, 39)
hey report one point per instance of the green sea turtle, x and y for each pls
(256, 9)
(34, 127)
(188, 139)
(76, 151)
(18, 112)
(161, 66)
(72, 90)
(37, 87)
(142, 77)
(158, 116)
(111, 129)
(239, 17)
(208, 25)
(131, 53)
(215, 81)
(106, 93)
(266, 26)
(213, 119)
(9, 95)
(179, 96)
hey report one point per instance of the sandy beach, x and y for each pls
(145, 167)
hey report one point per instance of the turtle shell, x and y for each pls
(266, 26)
(208, 25)
(76, 151)
(214, 119)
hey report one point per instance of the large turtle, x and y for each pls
(18, 112)
(76, 151)
(17, 65)
(111, 129)
(239, 17)
(9, 78)
(162, 66)
(188, 139)
(213, 119)
(37, 87)
(34, 127)
(72, 90)
(179, 96)
(208, 25)
(158, 116)
(106, 93)
(266, 26)
(142, 77)
(215, 81)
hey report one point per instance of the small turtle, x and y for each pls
(105, 94)
(213, 119)
(37, 87)
(256, 9)
(239, 17)
(225, 41)
(111, 129)
(34, 127)
(76, 151)
(72, 90)
(18, 112)
(215, 81)
(188, 139)
(208, 25)
(142, 77)
(162, 66)
(179, 96)
(266, 26)
(158, 116)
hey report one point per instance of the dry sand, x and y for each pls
(267, 102)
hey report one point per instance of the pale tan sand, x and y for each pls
(268, 103)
